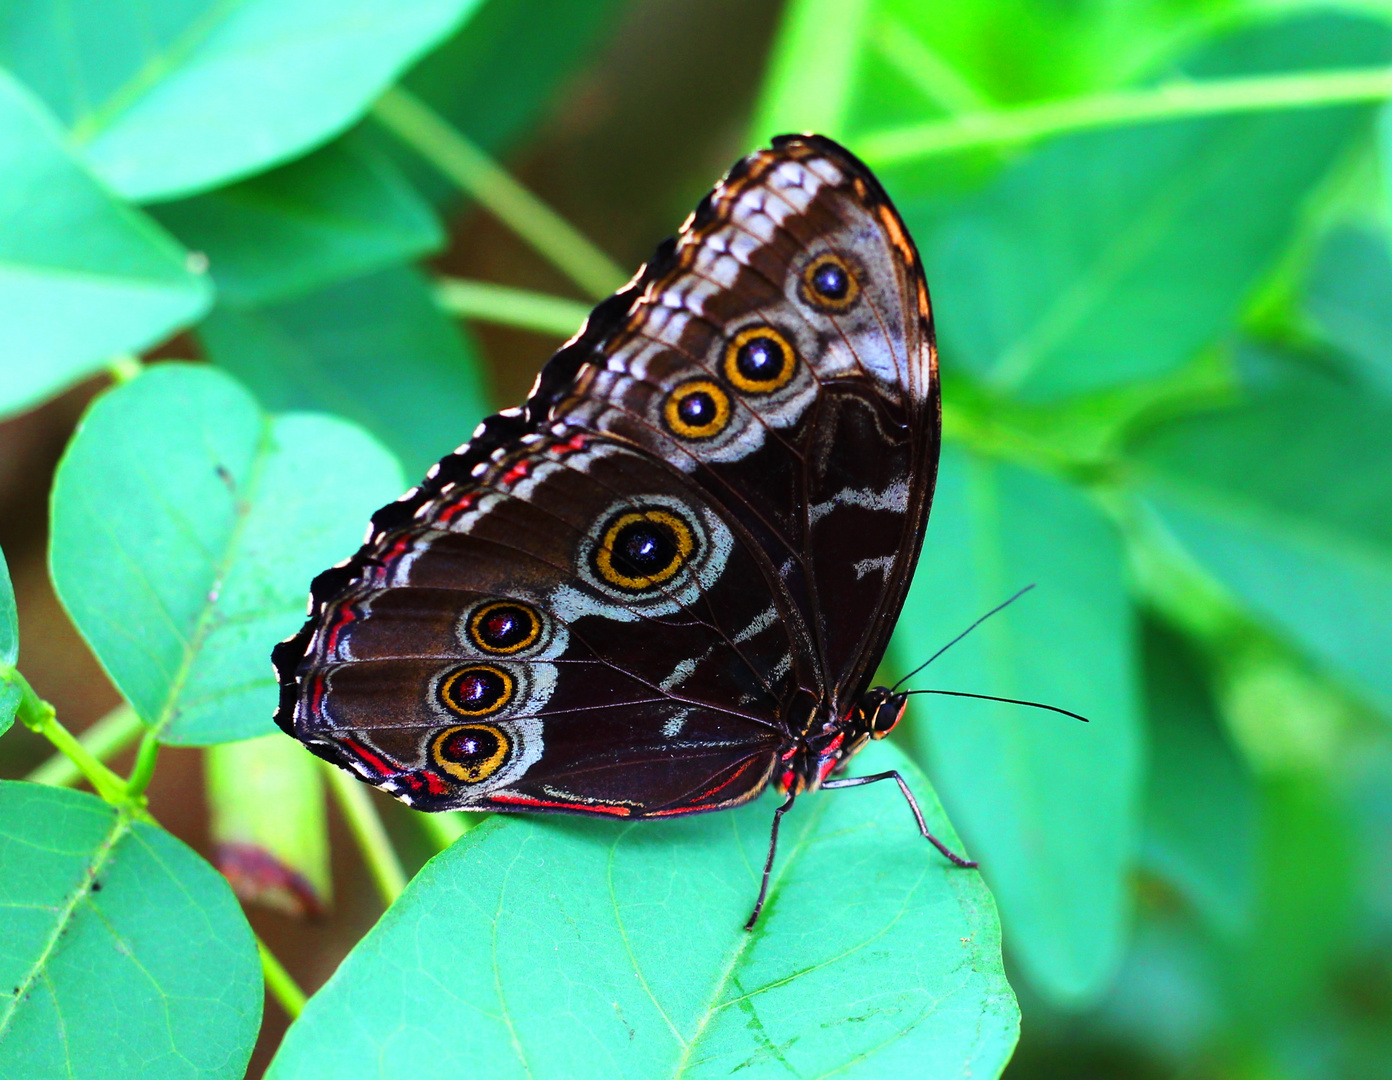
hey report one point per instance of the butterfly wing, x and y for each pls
(798, 269)
(629, 596)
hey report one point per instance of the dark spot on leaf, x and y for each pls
(96, 885)
(225, 476)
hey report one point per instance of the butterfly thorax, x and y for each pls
(808, 761)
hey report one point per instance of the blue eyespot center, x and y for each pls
(760, 359)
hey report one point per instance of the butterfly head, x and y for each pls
(880, 709)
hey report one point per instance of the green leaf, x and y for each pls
(1047, 804)
(10, 691)
(339, 213)
(376, 350)
(173, 100)
(83, 277)
(268, 823)
(123, 952)
(569, 948)
(1201, 827)
(187, 525)
(1115, 256)
(1349, 297)
(1285, 499)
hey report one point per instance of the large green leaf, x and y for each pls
(1201, 800)
(187, 525)
(1350, 299)
(564, 948)
(82, 276)
(1115, 256)
(9, 649)
(1048, 805)
(377, 350)
(122, 953)
(338, 213)
(171, 99)
(1287, 499)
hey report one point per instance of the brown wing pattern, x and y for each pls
(627, 596)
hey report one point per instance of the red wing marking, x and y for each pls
(695, 804)
(522, 800)
(449, 513)
(377, 764)
(570, 446)
(516, 473)
(345, 616)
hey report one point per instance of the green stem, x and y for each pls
(104, 739)
(144, 769)
(355, 801)
(919, 65)
(426, 132)
(278, 981)
(124, 367)
(38, 715)
(1169, 101)
(507, 306)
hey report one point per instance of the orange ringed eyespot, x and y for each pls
(641, 549)
(470, 752)
(759, 360)
(828, 284)
(698, 409)
(477, 690)
(504, 627)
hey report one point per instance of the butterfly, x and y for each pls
(665, 582)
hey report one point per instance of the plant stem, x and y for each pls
(104, 739)
(450, 151)
(38, 715)
(355, 801)
(124, 367)
(282, 987)
(144, 769)
(507, 306)
(1169, 101)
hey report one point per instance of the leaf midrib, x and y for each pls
(713, 1001)
(100, 854)
(242, 506)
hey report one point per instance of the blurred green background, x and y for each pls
(1156, 234)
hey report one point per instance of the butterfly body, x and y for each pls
(665, 582)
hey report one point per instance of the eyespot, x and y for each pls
(477, 690)
(828, 284)
(697, 410)
(642, 548)
(759, 360)
(470, 752)
(504, 627)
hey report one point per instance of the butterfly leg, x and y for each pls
(768, 863)
(857, 781)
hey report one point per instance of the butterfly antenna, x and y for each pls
(1007, 700)
(959, 637)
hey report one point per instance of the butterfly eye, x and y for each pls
(697, 410)
(477, 690)
(759, 360)
(643, 548)
(471, 752)
(828, 284)
(504, 627)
